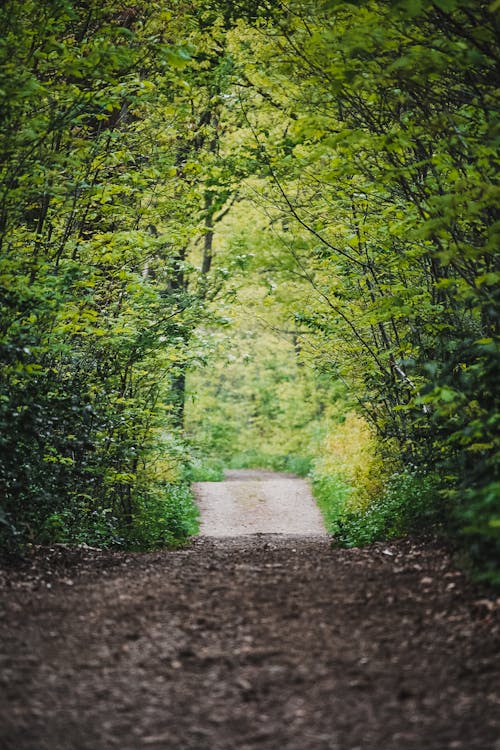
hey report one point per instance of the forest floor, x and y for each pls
(256, 642)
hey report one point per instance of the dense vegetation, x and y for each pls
(300, 196)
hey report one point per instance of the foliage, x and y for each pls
(349, 453)
(374, 125)
(478, 527)
(409, 503)
(255, 405)
(205, 470)
(289, 463)
(168, 518)
(93, 327)
(301, 197)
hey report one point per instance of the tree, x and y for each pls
(89, 333)
(382, 149)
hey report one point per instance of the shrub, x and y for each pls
(332, 495)
(477, 516)
(205, 469)
(289, 463)
(411, 502)
(349, 458)
(166, 518)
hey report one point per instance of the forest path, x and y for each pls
(247, 643)
(257, 502)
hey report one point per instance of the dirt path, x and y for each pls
(247, 643)
(252, 502)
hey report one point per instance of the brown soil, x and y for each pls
(248, 643)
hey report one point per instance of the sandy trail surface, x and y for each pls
(257, 502)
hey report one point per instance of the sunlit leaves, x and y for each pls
(91, 330)
(390, 162)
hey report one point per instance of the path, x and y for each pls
(247, 643)
(251, 502)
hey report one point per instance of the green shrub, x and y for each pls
(332, 496)
(477, 516)
(289, 463)
(299, 465)
(164, 519)
(83, 524)
(165, 516)
(411, 502)
(205, 469)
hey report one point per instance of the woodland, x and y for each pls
(249, 234)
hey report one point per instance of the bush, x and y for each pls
(205, 469)
(477, 516)
(164, 519)
(411, 502)
(165, 516)
(82, 523)
(348, 459)
(289, 463)
(332, 496)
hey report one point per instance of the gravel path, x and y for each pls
(257, 502)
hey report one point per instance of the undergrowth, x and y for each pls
(288, 463)
(165, 516)
(409, 503)
(205, 469)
